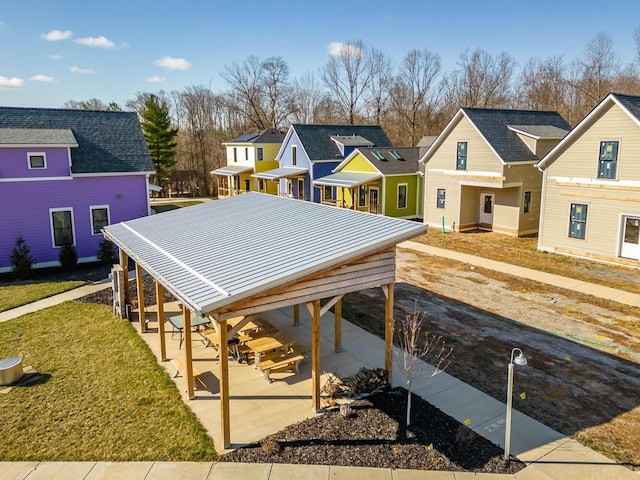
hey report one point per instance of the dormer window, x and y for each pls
(461, 156)
(608, 163)
(37, 160)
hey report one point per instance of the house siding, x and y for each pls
(391, 196)
(569, 179)
(31, 220)
(14, 162)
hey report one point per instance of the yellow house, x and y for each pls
(480, 172)
(246, 155)
(591, 187)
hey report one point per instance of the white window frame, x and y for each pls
(73, 225)
(444, 198)
(36, 154)
(332, 192)
(526, 205)
(406, 196)
(294, 155)
(246, 153)
(259, 154)
(98, 207)
(235, 154)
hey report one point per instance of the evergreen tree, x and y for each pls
(160, 136)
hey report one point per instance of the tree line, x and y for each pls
(361, 84)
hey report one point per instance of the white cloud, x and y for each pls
(100, 42)
(42, 78)
(339, 49)
(13, 82)
(155, 79)
(171, 63)
(84, 71)
(56, 35)
(55, 57)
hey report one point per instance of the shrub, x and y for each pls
(107, 254)
(21, 259)
(68, 257)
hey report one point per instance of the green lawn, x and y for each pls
(104, 396)
(12, 296)
(166, 207)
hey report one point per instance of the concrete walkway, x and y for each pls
(600, 291)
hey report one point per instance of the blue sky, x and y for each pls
(52, 51)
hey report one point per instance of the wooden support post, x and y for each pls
(315, 355)
(223, 358)
(124, 263)
(188, 355)
(337, 326)
(160, 303)
(388, 329)
(140, 282)
(296, 315)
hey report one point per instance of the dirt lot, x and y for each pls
(583, 377)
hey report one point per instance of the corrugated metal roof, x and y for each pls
(347, 179)
(37, 136)
(217, 253)
(231, 170)
(278, 173)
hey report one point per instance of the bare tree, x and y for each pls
(597, 69)
(347, 76)
(307, 93)
(92, 104)
(417, 347)
(543, 85)
(279, 102)
(381, 84)
(627, 81)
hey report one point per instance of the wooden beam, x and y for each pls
(388, 329)
(315, 355)
(296, 314)
(140, 282)
(160, 303)
(337, 325)
(239, 325)
(188, 356)
(223, 358)
(330, 304)
(124, 263)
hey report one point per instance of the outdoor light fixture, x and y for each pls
(519, 360)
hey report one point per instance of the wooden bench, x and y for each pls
(282, 363)
(181, 369)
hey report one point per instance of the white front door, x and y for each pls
(630, 238)
(486, 208)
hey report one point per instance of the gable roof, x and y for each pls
(390, 165)
(540, 131)
(268, 135)
(216, 270)
(37, 136)
(493, 126)
(318, 143)
(108, 142)
(628, 103)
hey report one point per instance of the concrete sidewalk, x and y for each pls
(600, 291)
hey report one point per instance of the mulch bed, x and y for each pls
(374, 436)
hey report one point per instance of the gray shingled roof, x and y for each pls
(630, 102)
(351, 141)
(108, 142)
(268, 135)
(37, 136)
(390, 166)
(493, 125)
(426, 141)
(541, 131)
(196, 254)
(317, 142)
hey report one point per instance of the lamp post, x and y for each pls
(519, 360)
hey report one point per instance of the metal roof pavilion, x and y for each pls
(231, 170)
(347, 179)
(217, 253)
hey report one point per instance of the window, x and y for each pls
(396, 155)
(260, 153)
(235, 154)
(402, 195)
(247, 185)
(526, 204)
(246, 153)
(261, 184)
(578, 221)
(461, 157)
(300, 188)
(37, 160)
(99, 219)
(294, 155)
(362, 196)
(289, 188)
(329, 192)
(608, 160)
(441, 195)
(62, 227)
(379, 156)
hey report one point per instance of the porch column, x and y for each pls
(160, 303)
(337, 326)
(124, 263)
(223, 358)
(296, 315)
(388, 329)
(315, 355)
(188, 356)
(139, 281)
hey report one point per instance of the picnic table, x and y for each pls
(178, 324)
(268, 343)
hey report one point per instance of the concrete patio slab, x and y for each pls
(179, 471)
(351, 473)
(421, 475)
(66, 470)
(236, 471)
(282, 471)
(119, 470)
(16, 470)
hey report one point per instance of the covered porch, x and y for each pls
(353, 190)
(293, 181)
(232, 180)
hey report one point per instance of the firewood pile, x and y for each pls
(365, 382)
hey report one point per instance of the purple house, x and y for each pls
(65, 174)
